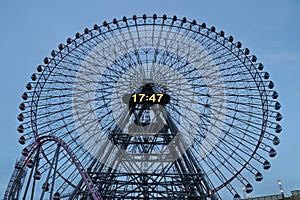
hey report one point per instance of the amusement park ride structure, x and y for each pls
(146, 107)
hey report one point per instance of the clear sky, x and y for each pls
(270, 29)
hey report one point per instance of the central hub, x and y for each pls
(147, 95)
(146, 110)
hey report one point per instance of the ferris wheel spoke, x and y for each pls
(241, 131)
(217, 154)
(237, 139)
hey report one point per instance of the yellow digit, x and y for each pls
(159, 98)
(152, 98)
(134, 98)
(141, 97)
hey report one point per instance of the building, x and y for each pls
(295, 196)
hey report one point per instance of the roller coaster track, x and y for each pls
(33, 147)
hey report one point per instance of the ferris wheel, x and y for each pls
(146, 107)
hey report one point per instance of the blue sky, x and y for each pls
(270, 29)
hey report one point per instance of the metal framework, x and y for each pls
(87, 142)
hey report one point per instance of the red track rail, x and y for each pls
(86, 178)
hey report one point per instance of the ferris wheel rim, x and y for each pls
(261, 89)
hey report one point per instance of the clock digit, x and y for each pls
(134, 98)
(152, 98)
(159, 97)
(141, 97)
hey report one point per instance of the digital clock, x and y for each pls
(143, 98)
